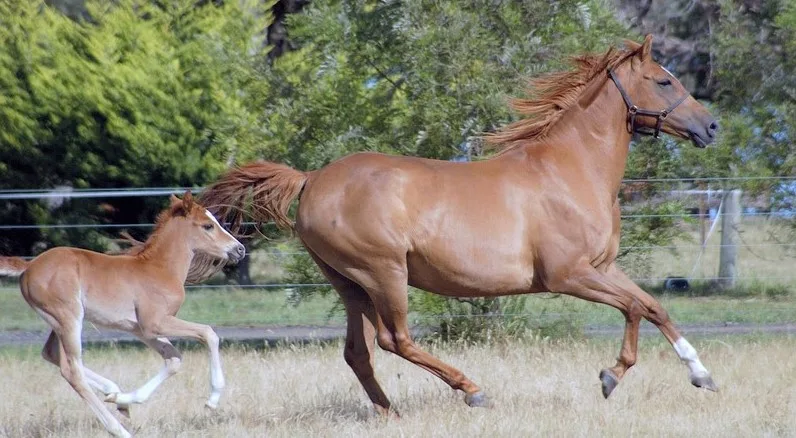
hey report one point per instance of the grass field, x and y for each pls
(246, 307)
(539, 388)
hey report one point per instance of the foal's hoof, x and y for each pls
(211, 405)
(609, 380)
(477, 400)
(705, 382)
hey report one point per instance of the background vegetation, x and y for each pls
(138, 93)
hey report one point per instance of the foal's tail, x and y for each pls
(261, 190)
(13, 266)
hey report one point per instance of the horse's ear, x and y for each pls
(646, 48)
(632, 45)
(173, 200)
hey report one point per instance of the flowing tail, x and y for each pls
(262, 190)
(12, 266)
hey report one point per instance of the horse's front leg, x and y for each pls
(615, 289)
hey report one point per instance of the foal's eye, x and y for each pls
(207, 227)
(665, 82)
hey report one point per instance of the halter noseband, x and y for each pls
(633, 111)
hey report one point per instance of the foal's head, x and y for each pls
(202, 231)
(660, 101)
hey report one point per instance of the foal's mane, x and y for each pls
(175, 210)
(552, 94)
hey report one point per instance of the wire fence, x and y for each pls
(774, 313)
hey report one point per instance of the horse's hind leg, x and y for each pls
(388, 292)
(360, 334)
(172, 360)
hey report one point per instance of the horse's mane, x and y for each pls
(552, 94)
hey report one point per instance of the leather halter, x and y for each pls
(633, 111)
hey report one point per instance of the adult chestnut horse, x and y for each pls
(139, 293)
(540, 216)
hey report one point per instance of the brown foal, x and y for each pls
(542, 215)
(139, 294)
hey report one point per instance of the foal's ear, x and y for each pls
(187, 201)
(173, 200)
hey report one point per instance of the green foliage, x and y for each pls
(418, 77)
(470, 319)
(142, 94)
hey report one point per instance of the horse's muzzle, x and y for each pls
(703, 136)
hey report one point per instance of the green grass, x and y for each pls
(250, 307)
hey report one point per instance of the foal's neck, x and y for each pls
(170, 249)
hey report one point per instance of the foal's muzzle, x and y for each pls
(236, 253)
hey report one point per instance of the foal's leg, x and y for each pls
(72, 369)
(170, 326)
(388, 292)
(51, 353)
(172, 360)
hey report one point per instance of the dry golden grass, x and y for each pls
(540, 388)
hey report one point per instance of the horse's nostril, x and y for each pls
(712, 128)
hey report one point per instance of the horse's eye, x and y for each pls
(665, 82)
(207, 227)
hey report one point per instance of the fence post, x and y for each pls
(730, 221)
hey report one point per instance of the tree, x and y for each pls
(141, 94)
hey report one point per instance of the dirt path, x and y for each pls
(271, 335)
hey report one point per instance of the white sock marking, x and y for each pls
(689, 356)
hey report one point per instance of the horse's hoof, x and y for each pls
(609, 380)
(705, 382)
(211, 405)
(111, 398)
(477, 400)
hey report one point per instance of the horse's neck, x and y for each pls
(595, 138)
(170, 249)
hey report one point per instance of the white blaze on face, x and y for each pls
(234, 242)
(689, 355)
(667, 71)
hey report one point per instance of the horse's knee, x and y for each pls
(657, 315)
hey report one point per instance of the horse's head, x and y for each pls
(657, 101)
(203, 232)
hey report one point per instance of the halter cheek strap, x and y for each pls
(633, 111)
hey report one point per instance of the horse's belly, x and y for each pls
(492, 277)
